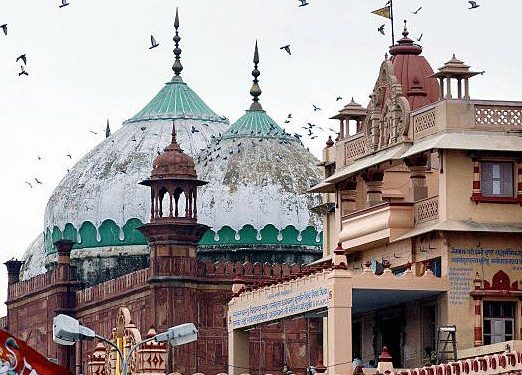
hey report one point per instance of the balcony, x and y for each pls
(484, 115)
(381, 223)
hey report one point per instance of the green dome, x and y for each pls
(257, 124)
(176, 100)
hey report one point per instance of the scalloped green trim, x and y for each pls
(110, 234)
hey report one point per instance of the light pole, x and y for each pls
(67, 331)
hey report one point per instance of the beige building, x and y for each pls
(423, 190)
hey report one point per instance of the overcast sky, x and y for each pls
(90, 61)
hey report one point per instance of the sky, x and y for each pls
(89, 62)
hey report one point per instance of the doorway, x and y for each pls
(391, 331)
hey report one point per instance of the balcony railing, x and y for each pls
(426, 210)
(475, 114)
(354, 148)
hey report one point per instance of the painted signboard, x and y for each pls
(279, 304)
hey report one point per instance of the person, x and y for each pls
(358, 370)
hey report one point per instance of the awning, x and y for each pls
(466, 140)
(463, 226)
(322, 187)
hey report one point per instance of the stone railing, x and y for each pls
(113, 287)
(426, 210)
(425, 123)
(33, 285)
(354, 148)
(500, 114)
(505, 363)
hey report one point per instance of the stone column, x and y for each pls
(373, 179)
(13, 271)
(64, 247)
(477, 329)
(339, 322)
(448, 88)
(238, 356)
(341, 131)
(466, 88)
(519, 180)
(418, 166)
(348, 193)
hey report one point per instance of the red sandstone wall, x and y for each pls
(32, 304)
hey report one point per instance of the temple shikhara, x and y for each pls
(400, 252)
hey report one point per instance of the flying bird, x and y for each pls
(153, 43)
(313, 137)
(22, 72)
(38, 181)
(338, 98)
(303, 3)
(38, 157)
(93, 132)
(419, 38)
(287, 121)
(381, 29)
(417, 11)
(64, 3)
(23, 58)
(4, 28)
(287, 49)
(28, 183)
(316, 108)
(289, 116)
(69, 156)
(473, 4)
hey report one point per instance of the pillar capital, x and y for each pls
(13, 270)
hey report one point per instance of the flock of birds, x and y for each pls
(214, 146)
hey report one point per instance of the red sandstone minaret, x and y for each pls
(173, 231)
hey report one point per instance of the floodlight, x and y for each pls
(179, 335)
(67, 330)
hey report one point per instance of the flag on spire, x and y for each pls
(384, 12)
(16, 357)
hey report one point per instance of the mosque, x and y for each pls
(254, 217)
(409, 236)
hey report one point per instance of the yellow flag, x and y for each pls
(383, 12)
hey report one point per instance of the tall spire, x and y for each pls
(255, 90)
(107, 130)
(177, 67)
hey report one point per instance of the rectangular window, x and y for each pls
(496, 179)
(499, 321)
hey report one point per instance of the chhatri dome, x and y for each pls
(256, 201)
(99, 203)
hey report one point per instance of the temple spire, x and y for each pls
(255, 90)
(177, 67)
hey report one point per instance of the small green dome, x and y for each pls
(256, 123)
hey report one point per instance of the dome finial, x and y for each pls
(177, 67)
(255, 90)
(405, 32)
(174, 140)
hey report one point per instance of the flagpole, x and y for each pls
(391, 18)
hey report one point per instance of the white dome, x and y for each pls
(258, 176)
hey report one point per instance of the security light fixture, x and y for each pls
(67, 331)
